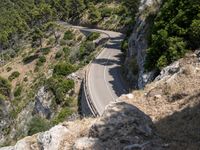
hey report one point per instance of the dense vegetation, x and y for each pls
(17, 18)
(176, 30)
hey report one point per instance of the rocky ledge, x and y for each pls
(122, 126)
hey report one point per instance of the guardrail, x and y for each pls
(85, 85)
(85, 81)
(88, 97)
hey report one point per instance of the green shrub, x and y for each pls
(62, 115)
(41, 61)
(60, 86)
(2, 98)
(194, 32)
(50, 41)
(106, 11)
(59, 54)
(95, 15)
(85, 49)
(37, 124)
(66, 50)
(63, 69)
(124, 45)
(69, 102)
(25, 79)
(174, 32)
(5, 87)
(29, 59)
(46, 50)
(93, 36)
(8, 69)
(63, 42)
(13, 75)
(37, 68)
(18, 91)
(68, 35)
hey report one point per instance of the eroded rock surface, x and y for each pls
(122, 126)
(138, 44)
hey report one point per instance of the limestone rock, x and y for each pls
(122, 125)
(138, 44)
(52, 139)
(169, 71)
(43, 101)
(87, 143)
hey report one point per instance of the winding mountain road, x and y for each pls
(104, 80)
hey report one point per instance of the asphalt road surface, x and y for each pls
(105, 83)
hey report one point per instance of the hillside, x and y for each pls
(162, 116)
(40, 86)
(56, 64)
(17, 23)
(172, 101)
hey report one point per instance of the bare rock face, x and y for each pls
(122, 127)
(87, 143)
(51, 139)
(138, 43)
(43, 103)
(169, 71)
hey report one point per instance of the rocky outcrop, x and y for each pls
(122, 126)
(4, 119)
(169, 71)
(138, 43)
(43, 102)
(172, 101)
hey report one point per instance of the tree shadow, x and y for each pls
(182, 129)
(105, 61)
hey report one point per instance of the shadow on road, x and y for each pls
(119, 85)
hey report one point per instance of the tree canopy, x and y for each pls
(19, 16)
(176, 29)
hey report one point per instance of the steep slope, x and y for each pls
(122, 126)
(173, 103)
(138, 44)
(40, 86)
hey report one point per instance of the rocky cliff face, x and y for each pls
(138, 43)
(122, 126)
(10, 129)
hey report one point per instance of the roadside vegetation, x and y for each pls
(176, 30)
(48, 66)
(5, 88)
(36, 18)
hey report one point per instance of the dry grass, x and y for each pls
(27, 70)
(173, 103)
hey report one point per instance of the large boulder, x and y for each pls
(122, 126)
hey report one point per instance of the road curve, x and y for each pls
(104, 80)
